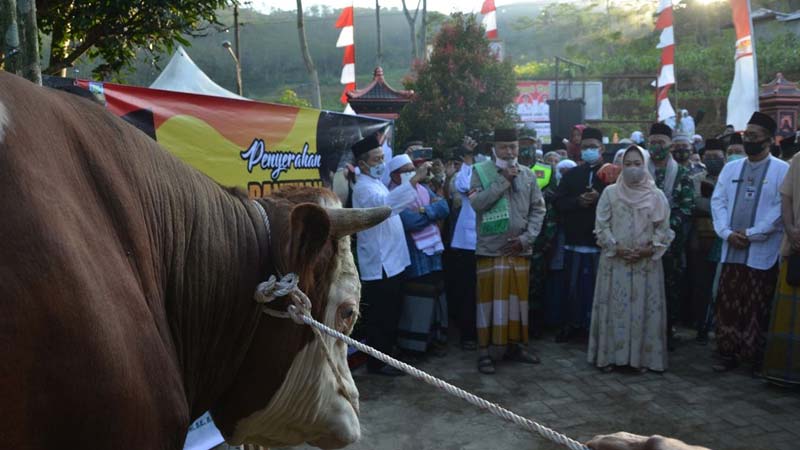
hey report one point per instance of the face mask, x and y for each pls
(406, 177)
(714, 166)
(480, 157)
(735, 157)
(505, 163)
(377, 171)
(754, 148)
(659, 152)
(682, 155)
(590, 155)
(633, 174)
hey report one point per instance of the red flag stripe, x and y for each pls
(668, 55)
(488, 6)
(347, 88)
(491, 34)
(349, 55)
(664, 19)
(346, 18)
(663, 92)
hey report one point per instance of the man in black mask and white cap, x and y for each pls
(746, 207)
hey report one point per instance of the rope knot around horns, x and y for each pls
(273, 289)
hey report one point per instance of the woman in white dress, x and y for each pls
(629, 314)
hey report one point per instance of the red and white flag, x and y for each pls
(489, 13)
(346, 40)
(743, 98)
(666, 73)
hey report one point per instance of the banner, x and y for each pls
(253, 145)
(532, 99)
(743, 98)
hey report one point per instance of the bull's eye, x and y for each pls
(348, 313)
(346, 317)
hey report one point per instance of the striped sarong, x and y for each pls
(742, 311)
(502, 313)
(782, 358)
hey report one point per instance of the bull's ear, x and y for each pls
(310, 230)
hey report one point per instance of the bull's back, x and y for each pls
(87, 361)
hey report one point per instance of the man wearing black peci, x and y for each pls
(576, 202)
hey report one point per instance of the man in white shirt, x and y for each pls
(463, 248)
(382, 251)
(746, 208)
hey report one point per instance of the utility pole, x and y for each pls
(380, 38)
(236, 31)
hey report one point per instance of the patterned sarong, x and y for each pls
(743, 306)
(782, 358)
(502, 313)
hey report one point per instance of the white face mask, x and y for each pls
(503, 163)
(406, 177)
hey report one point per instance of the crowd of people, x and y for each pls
(615, 249)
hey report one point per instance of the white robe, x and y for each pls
(766, 233)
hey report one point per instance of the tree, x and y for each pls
(412, 24)
(9, 33)
(20, 42)
(290, 97)
(312, 70)
(113, 30)
(461, 89)
(423, 28)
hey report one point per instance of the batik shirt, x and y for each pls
(682, 201)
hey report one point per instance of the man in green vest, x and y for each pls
(510, 211)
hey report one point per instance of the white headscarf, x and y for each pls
(645, 198)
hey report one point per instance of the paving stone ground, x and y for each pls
(731, 411)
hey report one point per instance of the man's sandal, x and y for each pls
(486, 365)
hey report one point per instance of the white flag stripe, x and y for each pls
(667, 75)
(490, 21)
(665, 110)
(348, 74)
(667, 38)
(743, 98)
(345, 37)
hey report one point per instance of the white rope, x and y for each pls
(299, 310)
(287, 285)
(302, 316)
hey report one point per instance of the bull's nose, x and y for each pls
(337, 441)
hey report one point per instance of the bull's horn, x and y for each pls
(347, 221)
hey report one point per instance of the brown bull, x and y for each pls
(126, 292)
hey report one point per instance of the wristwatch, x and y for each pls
(422, 210)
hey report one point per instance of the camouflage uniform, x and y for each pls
(680, 222)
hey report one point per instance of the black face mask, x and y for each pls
(754, 148)
(714, 166)
(681, 154)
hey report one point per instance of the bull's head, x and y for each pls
(286, 392)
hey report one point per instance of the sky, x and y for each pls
(443, 6)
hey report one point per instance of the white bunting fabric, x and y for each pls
(347, 41)
(743, 98)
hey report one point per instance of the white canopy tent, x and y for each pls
(183, 75)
